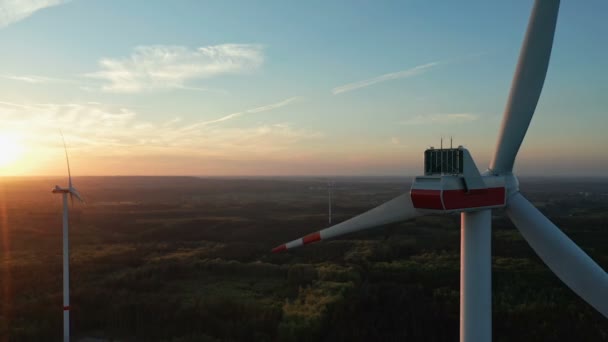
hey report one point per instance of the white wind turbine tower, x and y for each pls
(70, 190)
(452, 183)
(330, 186)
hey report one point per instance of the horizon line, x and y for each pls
(283, 176)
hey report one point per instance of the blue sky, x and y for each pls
(286, 87)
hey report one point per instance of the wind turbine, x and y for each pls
(452, 183)
(70, 190)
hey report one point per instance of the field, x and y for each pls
(188, 259)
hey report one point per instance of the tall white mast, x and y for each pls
(329, 190)
(66, 271)
(476, 276)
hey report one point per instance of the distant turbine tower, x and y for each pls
(329, 193)
(464, 190)
(66, 248)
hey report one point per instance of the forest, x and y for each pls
(188, 259)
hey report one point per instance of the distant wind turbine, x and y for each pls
(66, 248)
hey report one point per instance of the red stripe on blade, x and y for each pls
(66, 308)
(279, 249)
(314, 237)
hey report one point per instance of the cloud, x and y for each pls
(100, 130)
(33, 79)
(27, 79)
(248, 111)
(166, 67)
(440, 119)
(383, 78)
(12, 11)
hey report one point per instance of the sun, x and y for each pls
(10, 149)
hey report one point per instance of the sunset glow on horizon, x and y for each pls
(208, 89)
(10, 149)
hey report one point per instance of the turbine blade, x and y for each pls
(67, 159)
(570, 263)
(527, 83)
(75, 192)
(395, 210)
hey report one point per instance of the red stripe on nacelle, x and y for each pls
(459, 199)
(279, 249)
(314, 237)
(426, 199)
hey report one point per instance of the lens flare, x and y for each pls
(11, 149)
(5, 265)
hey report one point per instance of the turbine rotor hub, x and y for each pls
(511, 184)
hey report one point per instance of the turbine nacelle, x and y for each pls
(59, 190)
(71, 191)
(452, 183)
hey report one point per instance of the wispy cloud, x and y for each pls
(165, 67)
(440, 119)
(395, 141)
(12, 11)
(248, 111)
(106, 130)
(34, 79)
(383, 78)
(27, 79)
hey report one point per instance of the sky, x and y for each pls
(226, 88)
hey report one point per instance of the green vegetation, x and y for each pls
(188, 259)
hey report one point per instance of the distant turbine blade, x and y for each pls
(395, 210)
(575, 268)
(67, 159)
(527, 83)
(75, 192)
